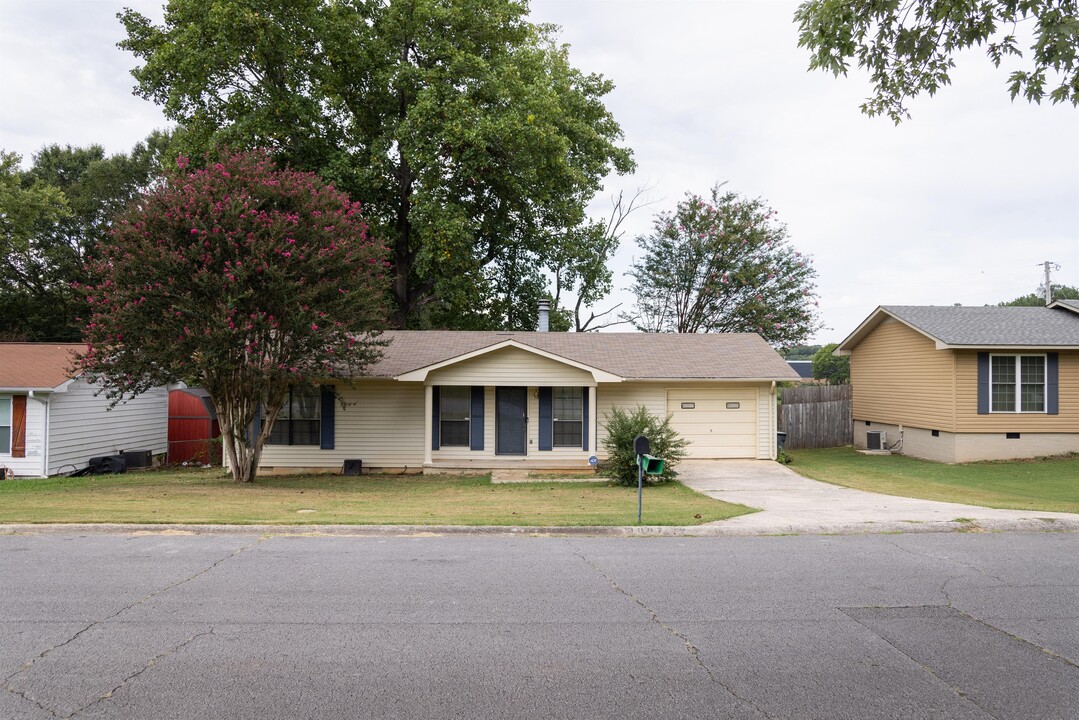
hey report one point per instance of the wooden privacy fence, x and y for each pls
(816, 416)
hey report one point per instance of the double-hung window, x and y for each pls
(1017, 383)
(568, 416)
(5, 425)
(300, 419)
(455, 412)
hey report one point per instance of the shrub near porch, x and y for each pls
(206, 496)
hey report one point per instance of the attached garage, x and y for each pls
(719, 422)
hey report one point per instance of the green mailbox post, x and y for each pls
(646, 465)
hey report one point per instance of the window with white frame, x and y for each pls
(1017, 383)
(5, 425)
(568, 416)
(455, 414)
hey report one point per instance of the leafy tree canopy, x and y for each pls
(241, 279)
(826, 366)
(909, 47)
(49, 250)
(723, 263)
(1037, 299)
(801, 352)
(472, 139)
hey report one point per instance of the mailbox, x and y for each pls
(641, 446)
(652, 465)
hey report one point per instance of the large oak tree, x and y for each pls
(473, 141)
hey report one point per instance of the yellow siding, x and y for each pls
(510, 366)
(967, 401)
(382, 425)
(628, 396)
(898, 376)
(713, 430)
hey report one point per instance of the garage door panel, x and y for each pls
(712, 429)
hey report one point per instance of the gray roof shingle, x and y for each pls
(728, 356)
(992, 325)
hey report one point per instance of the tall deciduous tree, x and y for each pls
(909, 47)
(723, 263)
(36, 298)
(472, 139)
(835, 370)
(241, 279)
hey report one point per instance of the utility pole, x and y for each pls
(1049, 266)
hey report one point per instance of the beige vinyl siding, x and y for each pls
(627, 395)
(382, 424)
(766, 422)
(33, 465)
(81, 426)
(712, 429)
(898, 376)
(510, 366)
(967, 400)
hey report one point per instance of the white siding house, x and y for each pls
(51, 423)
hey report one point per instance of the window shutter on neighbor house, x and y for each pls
(584, 419)
(436, 409)
(546, 418)
(18, 426)
(983, 383)
(1052, 383)
(475, 440)
(326, 426)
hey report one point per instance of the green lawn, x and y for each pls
(1042, 484)
(206, 496)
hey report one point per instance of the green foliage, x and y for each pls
(723, 264)
(238, 278)
(473, 141)
(1060, 292)
(800, 352)
(909, 48)
(784, 458)
(51, 249)
(829, 367)
(622, 427)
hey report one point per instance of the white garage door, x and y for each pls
(718, 422)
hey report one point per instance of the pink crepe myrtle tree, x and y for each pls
(723, 263)
(240, 278)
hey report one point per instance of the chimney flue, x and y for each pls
(544, 316)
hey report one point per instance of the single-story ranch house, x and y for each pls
(459, 400)
(52, 423)
(959, 384)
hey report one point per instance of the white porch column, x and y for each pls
(428, 427)
(593, 443)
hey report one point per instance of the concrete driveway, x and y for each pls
(792, 503)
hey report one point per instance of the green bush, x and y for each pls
(622, 427)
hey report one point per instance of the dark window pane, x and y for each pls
(456, 402)
(568, 403)
(454, 432)
(1003, 387)
(279, 433)
(567, 434)
(305, 432)
(5, 439)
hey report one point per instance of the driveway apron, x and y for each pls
(792, 503)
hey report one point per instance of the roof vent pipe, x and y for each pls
(544, 316)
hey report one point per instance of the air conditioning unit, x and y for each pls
(876, 440)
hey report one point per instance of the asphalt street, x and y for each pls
(802, 627)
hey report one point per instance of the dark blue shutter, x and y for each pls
(1052, 384)
(436, 410)
(983, 383)
(546, 424)
(476, 426)
(584, 416)
(326, 430)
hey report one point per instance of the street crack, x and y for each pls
(693, 650)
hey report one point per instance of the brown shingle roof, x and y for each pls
(36, 365)
(629, 355)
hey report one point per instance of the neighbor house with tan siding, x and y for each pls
(960, 384)
(53, 421)
(443, 400)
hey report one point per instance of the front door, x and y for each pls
(511, 425)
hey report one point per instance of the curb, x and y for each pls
(710, 530)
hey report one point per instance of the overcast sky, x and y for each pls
(960, 204)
